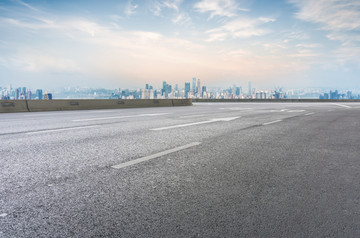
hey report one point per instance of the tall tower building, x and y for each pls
(198, 87)
(250, 89)
(194, 85)
(39, 94)
(187, 90)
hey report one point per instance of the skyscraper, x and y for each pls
(250, 89)
(203, 88)
(194, 85)
(165, 90)
(187, 89)
(39, 94)
(198, 87)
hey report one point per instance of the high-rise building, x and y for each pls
(146, 86)
(250, 89)
(198, 87)
(194, 85)
(28, 95)
(238, 91)
(17, 93)
(203, 89)
(164, 90)
(39, 94)
(187, 90)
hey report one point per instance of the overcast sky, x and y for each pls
(111, 44)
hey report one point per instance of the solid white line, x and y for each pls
(308, 114)
(64, 129)
(341, 105)
(268, 123)
(119, 117)
(194, 123)
(146, 158)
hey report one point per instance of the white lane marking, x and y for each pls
(146, 158)
(341, 105)
(195, 123)
(283, 110)
(3, 215)
(63, 129)
(234, 108)
(308, 114)
(272, 122)
(119, 117)
(104, 111)
(190, 116)
(296, 111)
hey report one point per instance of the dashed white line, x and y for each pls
(272, 122)
(119, 117)
(195, 123)
(234, 108)
(191, 116)
(308, 114)
(295, 110)
(146, 158)
(341, 105)
(63, 129)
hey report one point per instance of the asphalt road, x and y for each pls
(210, 170)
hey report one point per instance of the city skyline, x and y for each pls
(193, 90)
(292, 43)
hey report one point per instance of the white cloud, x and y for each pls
(239, 28)
(158, 6)
(26, 5)
(35, 61)
(223, 8)
(334, 15)
(308, 45)
(341, 18)
(304, 53)
(130, 8)
(181, 18)
(348, 55)
(172, 4)
(296, 35)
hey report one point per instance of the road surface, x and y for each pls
(210, 170)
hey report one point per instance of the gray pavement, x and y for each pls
(210, 170)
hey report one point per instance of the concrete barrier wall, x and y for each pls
(275, 100)
(86, 104)
(181, 102)
(13, 106)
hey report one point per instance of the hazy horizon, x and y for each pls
(112, 44)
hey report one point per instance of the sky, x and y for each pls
(128, 43)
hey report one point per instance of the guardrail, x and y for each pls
(86, 104)
(276, 100)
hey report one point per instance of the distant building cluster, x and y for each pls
(23, 93)
(336, 95)
(195, 90)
